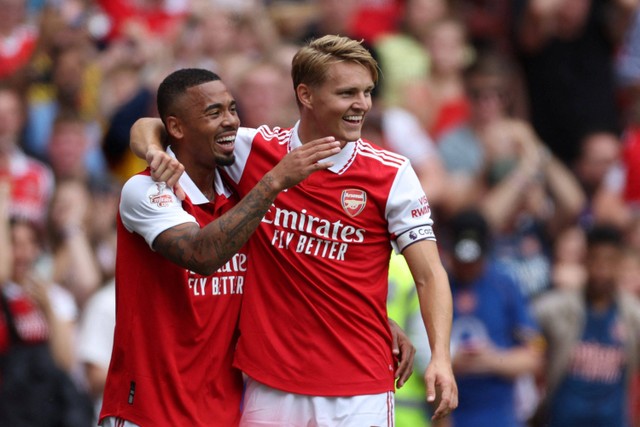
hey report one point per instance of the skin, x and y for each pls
(337, 106)
(602, 269)
(200, 134)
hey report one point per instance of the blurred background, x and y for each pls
(521, 118)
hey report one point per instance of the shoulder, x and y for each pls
(630, 304)
(137, 184)
(556, 302)
(141, 190)
(381, 155)
(265, 133)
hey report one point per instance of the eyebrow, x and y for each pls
(213, 107)
(218, 105)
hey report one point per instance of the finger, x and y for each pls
(318, 145)
(405, 367)
(323, 153)
(180, 194)
(321, 165)
(395, 349)
(444, 407)
(403, 372)
(320, 141)
(156, 160)
(430, 384)
(168, 172)
(176, 169)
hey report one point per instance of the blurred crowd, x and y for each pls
(521, 118)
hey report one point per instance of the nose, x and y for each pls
(230, 118)
(362, 102)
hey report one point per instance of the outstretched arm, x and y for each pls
(206, 249)
(436, 307)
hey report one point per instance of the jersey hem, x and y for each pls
(355, 389)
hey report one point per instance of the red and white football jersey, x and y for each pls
(31, 187)
(314, 318)
(175, 330)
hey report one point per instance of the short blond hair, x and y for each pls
(310, 63)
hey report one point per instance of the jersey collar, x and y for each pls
(340, 160)
(192, 191)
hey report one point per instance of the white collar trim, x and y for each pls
(341, 160)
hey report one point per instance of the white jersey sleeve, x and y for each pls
(149, 208)
(408, 212)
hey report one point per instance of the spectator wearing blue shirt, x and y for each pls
(494, 338)
(593, 342)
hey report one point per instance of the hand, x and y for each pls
(38, 290)
(70, 207)
(477, 359)
(442, 391)
(404, 351)
(302, 162)
(167, 169)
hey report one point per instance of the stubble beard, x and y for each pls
(225, 160)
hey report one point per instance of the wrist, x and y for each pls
(272, 184)
(72, 230)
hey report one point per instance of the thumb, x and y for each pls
(430, 384)
(395, 348)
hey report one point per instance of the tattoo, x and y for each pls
(206, 249)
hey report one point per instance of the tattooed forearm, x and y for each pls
(204, 250)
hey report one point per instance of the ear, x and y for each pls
(174, 127)
(305, 95)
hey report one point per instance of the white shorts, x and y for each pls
(265, 406)
(117, 422)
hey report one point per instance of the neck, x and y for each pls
(307, 132)
(202, 176)
(599, 301)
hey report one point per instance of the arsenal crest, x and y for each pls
(353, 201)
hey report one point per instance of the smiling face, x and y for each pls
(206, 123)
(337, 106)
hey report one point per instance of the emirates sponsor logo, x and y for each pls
(353, 201)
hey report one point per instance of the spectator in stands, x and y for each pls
(592, 342)
(438, 99)
(494, 338)
(525, 193)
(31, 181)
(567, 51)
(18, 40)
(402, 55)
(599, 156)
(74, 262)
